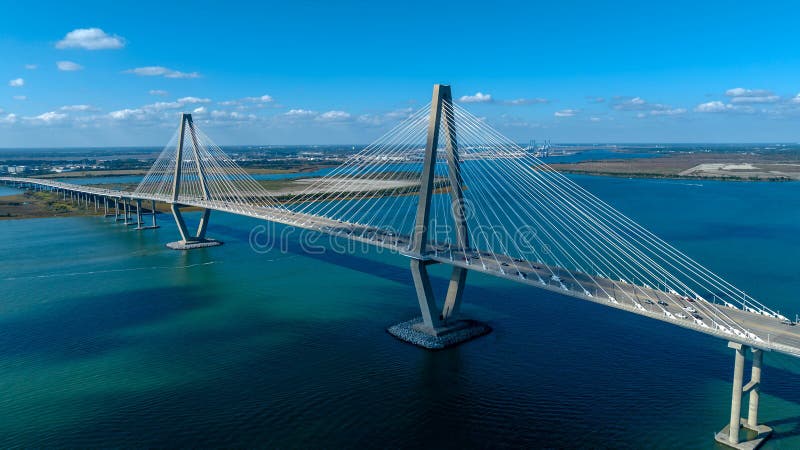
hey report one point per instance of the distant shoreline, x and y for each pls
(691, 166)
(673, 177)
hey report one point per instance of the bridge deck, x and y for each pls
(646, 301)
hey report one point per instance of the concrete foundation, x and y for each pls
(184, 245)
(415, 332)
(751, 439)
(743, 433)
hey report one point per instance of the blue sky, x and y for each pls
(117, 73)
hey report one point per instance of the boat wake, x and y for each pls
(97, 272)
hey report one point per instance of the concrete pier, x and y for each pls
(416, 332)
(140, 222)
(755, 378)
(754, 434)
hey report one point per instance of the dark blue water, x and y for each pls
(109, 339)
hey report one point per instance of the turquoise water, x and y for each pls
(107, 339)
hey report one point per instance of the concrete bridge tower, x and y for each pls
(198, 240)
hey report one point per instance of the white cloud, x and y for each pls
(20, 97)
(756, 99)
(9, 118)
(90, 39)
(479, 97)
(300, 113)
(391, 117)
(199, 110)
(31, 66)
(158, 92)
(123, 114)
(193, 100)
(742, 95)
(159, 71)
(370, 119)
(181, 102)
(16, 82)
(712, 107)
(68, 66)
(796, 99)
(232, 116)
(742, 92)
(566, 113)
(646, 108)
(48, 117)
(160, 106)
(668, 112)
(399, 114)
(334, 116)
(260, 99)
(631, 104)
(76, 108)
(526, 101)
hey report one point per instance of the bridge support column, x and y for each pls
(435, 330)
(755, 378)
(138, 214)
(756, 434)
(126, 205)
(188, 241)
(139, 221)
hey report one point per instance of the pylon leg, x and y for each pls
(455, 291)
(438, 330)
(427, 303)
(187, 241)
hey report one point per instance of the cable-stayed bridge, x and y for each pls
(443, 187)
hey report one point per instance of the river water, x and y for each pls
(108, 338)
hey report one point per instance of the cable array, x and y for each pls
(524, 219)
(208, 177)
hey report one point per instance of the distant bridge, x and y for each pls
(444, 188)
